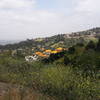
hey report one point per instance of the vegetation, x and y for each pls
(72, 74)
(56, 41)
(69, 75)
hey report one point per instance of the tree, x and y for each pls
(98, 45)
(80, 44)
(71, 50)
(88, 63)
(90, 45)
(66, 60)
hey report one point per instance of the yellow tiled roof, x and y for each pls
(54, 52)
(43, 55)
(48, 51)
(59, 48)
(40, 54)
(42, 49)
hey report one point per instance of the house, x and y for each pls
(47, 52)
(54, 52)
(59, 49)
(31, 58)
(40, 54)
(14, 52)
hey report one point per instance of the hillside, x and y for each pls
(61, 40)
(72, 74)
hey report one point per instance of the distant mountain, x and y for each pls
(61, 40)
(5, 42)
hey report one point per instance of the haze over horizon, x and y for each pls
(22, 19)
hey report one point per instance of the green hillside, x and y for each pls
(62, 40)
(72, 74)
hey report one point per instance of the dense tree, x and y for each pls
(90, 45)
(66, 60)
(98, 46)
(80, 44)
(88, 63)
(71, 50)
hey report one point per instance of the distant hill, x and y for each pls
(5, 42)
(61, 40)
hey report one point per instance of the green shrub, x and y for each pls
(64, 84)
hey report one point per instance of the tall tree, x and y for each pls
(90, 45)
(98, 45)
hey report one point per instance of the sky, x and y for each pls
(23, 19)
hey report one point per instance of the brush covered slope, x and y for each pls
(62, 40)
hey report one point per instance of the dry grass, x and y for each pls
(8, 92)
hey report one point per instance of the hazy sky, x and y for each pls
(22, 19)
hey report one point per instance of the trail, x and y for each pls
(13, 92)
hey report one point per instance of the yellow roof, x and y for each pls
(59, 48)
(38, 53)
(43, 55)
(42, 48)
(54, 52)
(48, 51)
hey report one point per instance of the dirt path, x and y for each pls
(13, 92)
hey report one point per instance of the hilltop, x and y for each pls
(61, 40)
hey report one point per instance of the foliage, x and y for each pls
(68, 75)
(54, 41)
(71, 50)
(98, 46)
(91, 45)
(66, 60)
(64, 84)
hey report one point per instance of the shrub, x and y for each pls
(71, 50)
(63, 83)
(91, 45)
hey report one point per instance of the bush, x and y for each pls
(63, 83)
(88, 63)
(66, 60)
(71, 50)
(91, 45)
(98, 46)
